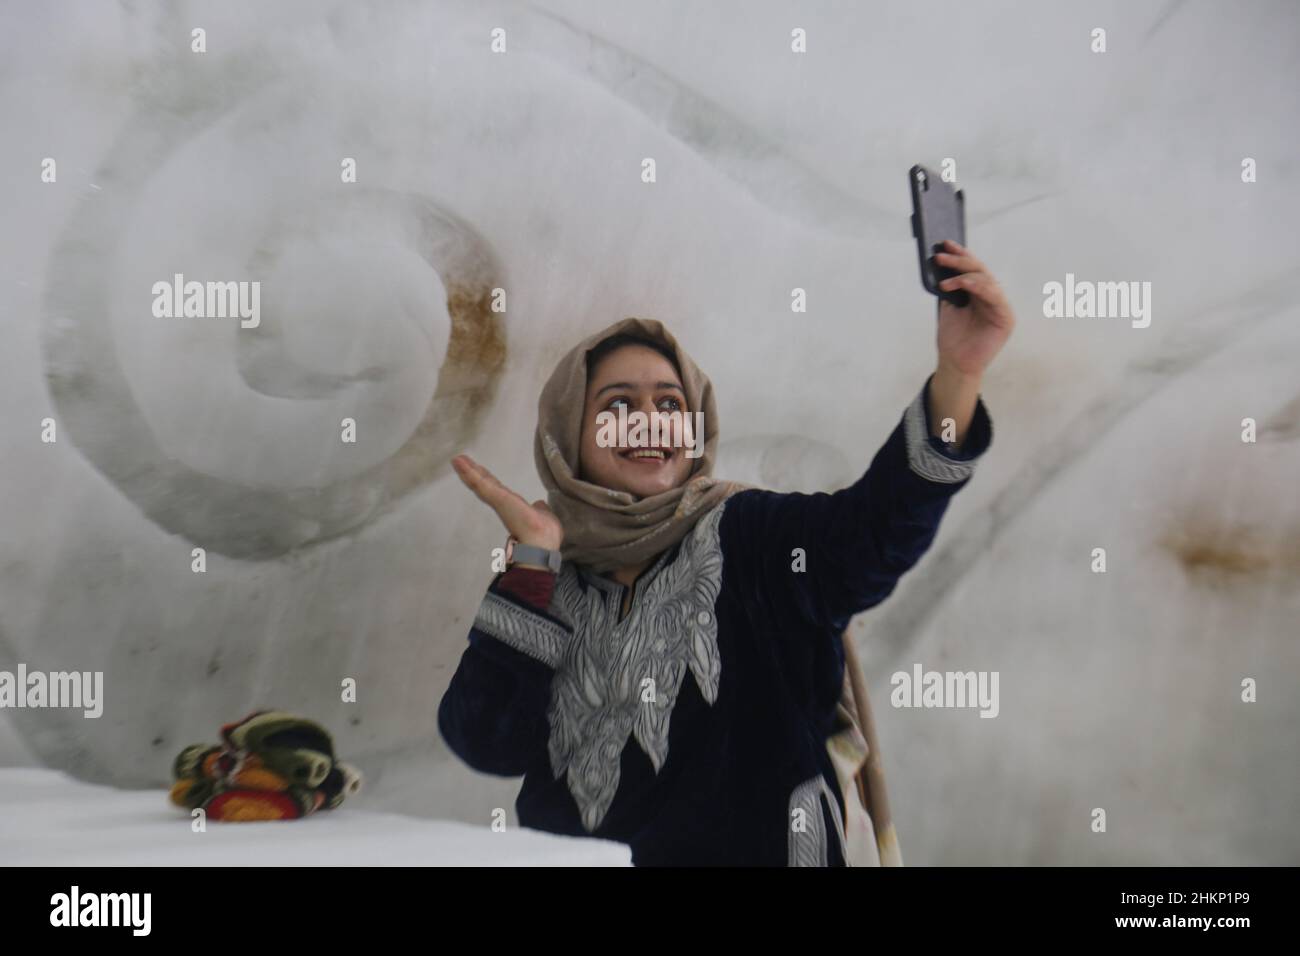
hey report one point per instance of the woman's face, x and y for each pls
(643, 380)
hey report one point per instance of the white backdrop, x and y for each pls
(775, 170)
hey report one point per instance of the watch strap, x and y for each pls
(531, 554)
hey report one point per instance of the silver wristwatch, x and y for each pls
(531, 554)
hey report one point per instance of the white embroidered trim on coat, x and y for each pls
(810, 845)
(522, 629)
(596, 696)
(922, 457)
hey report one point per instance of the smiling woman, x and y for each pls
(628, 374)
(680, 683)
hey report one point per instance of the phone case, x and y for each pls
(938, 213)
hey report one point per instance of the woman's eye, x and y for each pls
(672, 403)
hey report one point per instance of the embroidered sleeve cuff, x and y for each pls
(527, 630)
(934, 459)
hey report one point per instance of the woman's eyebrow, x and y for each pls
(630, 385)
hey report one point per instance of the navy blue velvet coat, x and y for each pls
(694, 730)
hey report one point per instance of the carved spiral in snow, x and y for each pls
(375, 306)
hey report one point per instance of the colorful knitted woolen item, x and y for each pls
(269, 766)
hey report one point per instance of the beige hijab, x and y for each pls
(606, 529)
(609, 529)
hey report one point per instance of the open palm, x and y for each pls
(534, 524)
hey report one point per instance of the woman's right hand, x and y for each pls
(534, 524)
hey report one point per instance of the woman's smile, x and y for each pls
(648, 457)
(654, 456)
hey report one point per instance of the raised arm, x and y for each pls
(822, 558)
(493, 715)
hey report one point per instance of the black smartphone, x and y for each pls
(938, 213)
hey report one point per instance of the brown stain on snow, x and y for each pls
(476, 349)
(476, 357)
(1223, 554)
(1285, 425)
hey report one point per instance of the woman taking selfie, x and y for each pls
(662, 660)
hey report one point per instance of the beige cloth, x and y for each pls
(607, 529)
(870, 838)
(848, 753)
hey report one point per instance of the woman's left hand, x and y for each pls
(970, 336)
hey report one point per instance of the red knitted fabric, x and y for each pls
(532, 585)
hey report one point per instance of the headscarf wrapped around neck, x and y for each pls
(604, 528)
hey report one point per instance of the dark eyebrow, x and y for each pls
(630, 386)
